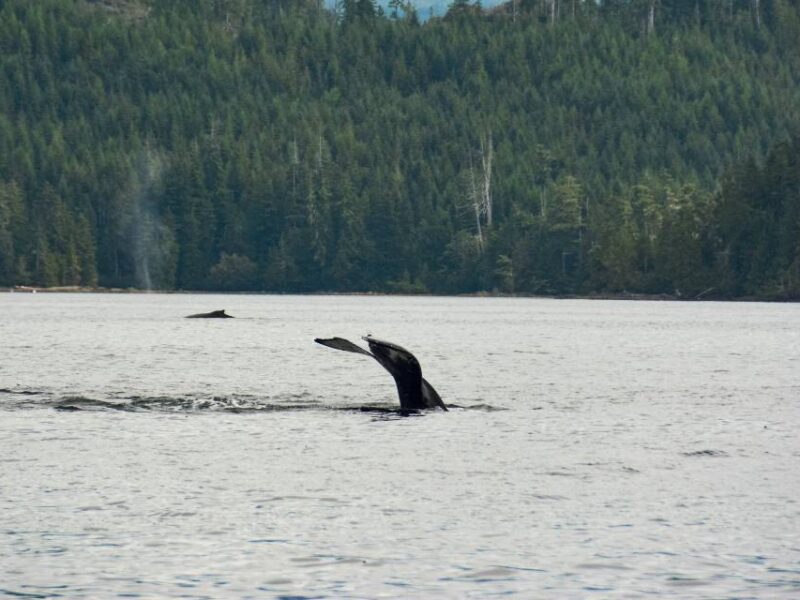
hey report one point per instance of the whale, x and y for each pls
(413, 389)
(214, 314)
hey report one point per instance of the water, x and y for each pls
(604, 449)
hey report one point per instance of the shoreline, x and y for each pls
(632, 296)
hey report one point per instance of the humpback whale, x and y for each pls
(414, 391)
(214, 314)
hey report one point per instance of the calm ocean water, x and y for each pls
(602, 449)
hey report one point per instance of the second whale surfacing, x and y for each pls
(414, 391)
(214, 314)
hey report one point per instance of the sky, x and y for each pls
(439, 6)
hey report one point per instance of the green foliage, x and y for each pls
(234, 273)
(11, 209)
(757, 224)
(273, 145)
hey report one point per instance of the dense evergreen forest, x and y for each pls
(541, 146)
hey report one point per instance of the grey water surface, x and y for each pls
(598, 449)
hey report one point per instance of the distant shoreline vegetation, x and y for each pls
(632, 296)
(533, 148)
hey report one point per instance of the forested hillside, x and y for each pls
(544, 146)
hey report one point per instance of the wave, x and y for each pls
(21, 392)
(706, 453)
(20, 399)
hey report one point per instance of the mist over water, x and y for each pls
(606, 449)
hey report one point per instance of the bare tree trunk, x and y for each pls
(476, 205)
(552, 9)
(474, 199)
(757, 12)
(319, 151)
(479, 192)
(543, 204)
(487, 155)
(478, 223)
(295, 159)
(651, 17)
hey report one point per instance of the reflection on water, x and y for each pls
(594, 449)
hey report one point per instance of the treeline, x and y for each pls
(545, 146)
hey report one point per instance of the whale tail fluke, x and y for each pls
(431, 397)
(414, 391)
(342, 344)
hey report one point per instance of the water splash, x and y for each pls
(149, 240)
(25, 399)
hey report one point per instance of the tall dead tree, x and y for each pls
(479, 187)
(487, 155)
(651, 17)
(552, 10)
(474, 198)
(757, 12)
(294, 159)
